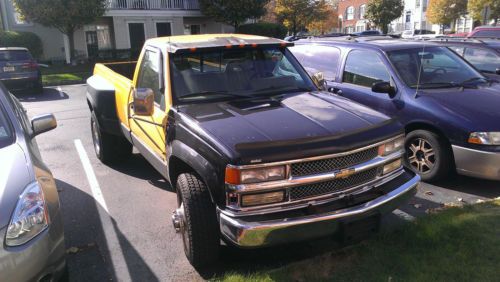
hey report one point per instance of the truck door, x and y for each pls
(363, 68)
(149, 131)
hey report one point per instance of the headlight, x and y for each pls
(485, 138)
(391, 146)
(254, 175)
(30, 216)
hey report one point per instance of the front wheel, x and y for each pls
(195, 219)
(428, 155)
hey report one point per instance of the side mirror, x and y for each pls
(497, 71)
(43, 123)
(144, 99)
(319, 80)
(384, 87)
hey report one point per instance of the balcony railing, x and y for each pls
(153, 5)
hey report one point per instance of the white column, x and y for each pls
(66, 49)
(3, 10)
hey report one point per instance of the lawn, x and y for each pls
(457, 244)
(66, 74)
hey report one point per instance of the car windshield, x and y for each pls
(229, 74)
(5, 129)
(14, 55)
(433, 67)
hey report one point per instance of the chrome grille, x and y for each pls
(336, 185)
(332, 164)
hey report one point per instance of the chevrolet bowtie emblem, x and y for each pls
(345, 173)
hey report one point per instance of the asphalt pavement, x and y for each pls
(117, 219)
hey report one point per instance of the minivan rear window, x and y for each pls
(14, 55)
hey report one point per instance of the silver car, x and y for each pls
(31, 227)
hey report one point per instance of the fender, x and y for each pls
(199, 164)
(101, 100)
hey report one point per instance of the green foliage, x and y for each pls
(476, 9)
(234, 12)
(22, 39)
(65, 15)
(297, 14)
(383, 12)
(264, 29)
(444, 12)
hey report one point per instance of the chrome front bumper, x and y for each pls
(477, 163)
(251, 234)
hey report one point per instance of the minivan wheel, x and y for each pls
(195, 219)
(108, 148)
(428, 155)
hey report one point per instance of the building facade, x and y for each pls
(352, 16)
(125, 26)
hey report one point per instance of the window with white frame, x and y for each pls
(350, 13)
(362, 10)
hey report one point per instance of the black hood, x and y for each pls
(303, 124)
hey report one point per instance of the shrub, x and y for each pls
(264, 29)
(22, 39)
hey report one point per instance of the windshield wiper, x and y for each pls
(474, 79)
(281, 90)
(427, 85)
(214, 93)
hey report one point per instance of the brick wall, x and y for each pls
(343, 6)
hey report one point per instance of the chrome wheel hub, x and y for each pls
(179, 222)
(421, 155)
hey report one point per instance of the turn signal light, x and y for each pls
(262, 199)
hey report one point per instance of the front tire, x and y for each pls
(108, 148)
(197, 221)
(428, 155)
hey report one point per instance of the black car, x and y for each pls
(483, 54)
(19, 70)
(449, 109)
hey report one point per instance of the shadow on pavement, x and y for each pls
(49, 94)
(89, 256)
(473, 186)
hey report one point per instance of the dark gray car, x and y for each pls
(19, 71)
(31, 228)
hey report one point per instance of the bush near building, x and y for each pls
(264, 29)
(22, 39)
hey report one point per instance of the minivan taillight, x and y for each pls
(31, 65)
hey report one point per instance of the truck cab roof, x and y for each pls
(189, 43)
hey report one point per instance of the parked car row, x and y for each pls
(19, 71)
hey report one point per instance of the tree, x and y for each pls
(444, 12)
(327, 21)
(383, 12)
(297, 14)
(477, 8)
(233, 12)
(65, 15)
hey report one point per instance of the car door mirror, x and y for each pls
(43, 123)
(144, 100)
(319, 80)
(384, 87)
(497, 71)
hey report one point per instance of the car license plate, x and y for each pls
(359, 229)
(9, 69)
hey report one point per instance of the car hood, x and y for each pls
(300, 123)
(477, 107)
(14, 177)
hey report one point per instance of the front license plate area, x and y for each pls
(353, 231)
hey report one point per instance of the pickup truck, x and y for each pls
(257, 154)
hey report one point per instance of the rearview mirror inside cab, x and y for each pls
(144, 100)
(384, 87)
(319, 80)
(43, 123)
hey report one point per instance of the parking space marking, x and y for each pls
(60, 91)
(404, 215)
(116, 254)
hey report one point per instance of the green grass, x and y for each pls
(457, 244)
(66, 74)
(57, 69)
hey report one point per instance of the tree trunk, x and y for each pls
(385, 28)
(71, 39)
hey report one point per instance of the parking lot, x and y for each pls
(117, 219)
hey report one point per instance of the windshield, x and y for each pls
(14, 55)
(5, 129)
(228, 74)
(432, 67)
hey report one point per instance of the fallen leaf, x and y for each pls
(478, 201)
(429, 193)
(417, 206)
(72, 250)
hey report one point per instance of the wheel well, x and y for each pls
(90, 105)
(176, 167)
(425, 126)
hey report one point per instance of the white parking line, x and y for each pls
(404, 215)
(116, 254)
(61, 93)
